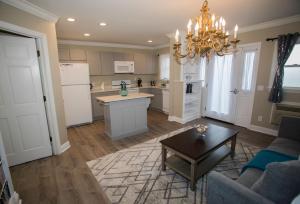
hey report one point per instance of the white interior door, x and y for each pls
(247, 65)
(23, 121)
(220, 83)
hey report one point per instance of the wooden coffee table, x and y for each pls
(194, 155)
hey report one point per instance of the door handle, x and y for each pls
(235, 91)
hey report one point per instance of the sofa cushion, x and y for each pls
(249, 177)
(285, 146)
(280, 182)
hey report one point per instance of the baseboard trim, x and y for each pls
(183, 120)
(175, 119)
(64, 147)
(264, 130)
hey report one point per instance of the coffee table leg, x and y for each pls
(163, 157)
(193, 175)
(233, 143)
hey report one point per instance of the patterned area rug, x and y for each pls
(134, 176)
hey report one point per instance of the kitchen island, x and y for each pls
(125, 115)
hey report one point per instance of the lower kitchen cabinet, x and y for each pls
(165, 98)
(156, 101)
(98, 109)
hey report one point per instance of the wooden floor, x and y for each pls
(66, 179)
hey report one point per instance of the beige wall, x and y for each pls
(107, 79)
(17, 17)
(261, 104)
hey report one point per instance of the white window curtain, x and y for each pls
(248, 67)
(273, 66)
(164, 66)
(219, 97)
(202, 73)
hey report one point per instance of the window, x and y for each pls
(164, 66)
(291, 77)
(248, 70)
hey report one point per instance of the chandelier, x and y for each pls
(209, 36)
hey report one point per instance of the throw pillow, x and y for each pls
(280, 181)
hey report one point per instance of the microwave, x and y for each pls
(124, 67)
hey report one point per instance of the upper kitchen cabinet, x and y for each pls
(121, 56)
(94, 61)
(71, 54)
(107, 63)
(144, 63)
(63, 54)
(77, 54)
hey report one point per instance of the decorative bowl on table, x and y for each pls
(201, 129)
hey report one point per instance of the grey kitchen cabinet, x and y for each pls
(77, 54)
(121, 56)
(145, 90)
(107, 63)
(94, 61)
(63, 54)
(98, 109)
(139, 63)
(144, 63)
(71, 54)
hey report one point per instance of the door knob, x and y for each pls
(235, 91)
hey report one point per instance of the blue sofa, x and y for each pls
(223, 190)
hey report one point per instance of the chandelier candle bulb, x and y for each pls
(189, 26)
(213, 18)
(177, 36)
(235, 32)
(196, 29)
(224, 23)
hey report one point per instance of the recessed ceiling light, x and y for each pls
(87, 35)
(71, 19)
(103, 24)
(149, 41)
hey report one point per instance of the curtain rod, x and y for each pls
(271, 39)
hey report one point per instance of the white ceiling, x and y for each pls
(136, 21)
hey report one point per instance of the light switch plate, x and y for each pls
(260, 118)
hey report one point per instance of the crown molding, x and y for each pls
(32, 9)
(270, 24)
(103, 44)
(162, 46)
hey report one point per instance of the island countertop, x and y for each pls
(130, 96)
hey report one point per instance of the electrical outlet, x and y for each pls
(260, 118)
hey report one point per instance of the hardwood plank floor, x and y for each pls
(66, 179)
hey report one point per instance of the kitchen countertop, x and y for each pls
(109, 89)
(130, 96)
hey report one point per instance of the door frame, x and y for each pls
(46, 79)
(255, 72)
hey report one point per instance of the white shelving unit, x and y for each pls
(192, 102)
(7, 194)
(185, 106)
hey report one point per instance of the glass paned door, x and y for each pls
(231, 86)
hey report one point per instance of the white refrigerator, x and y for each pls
(75, 81)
